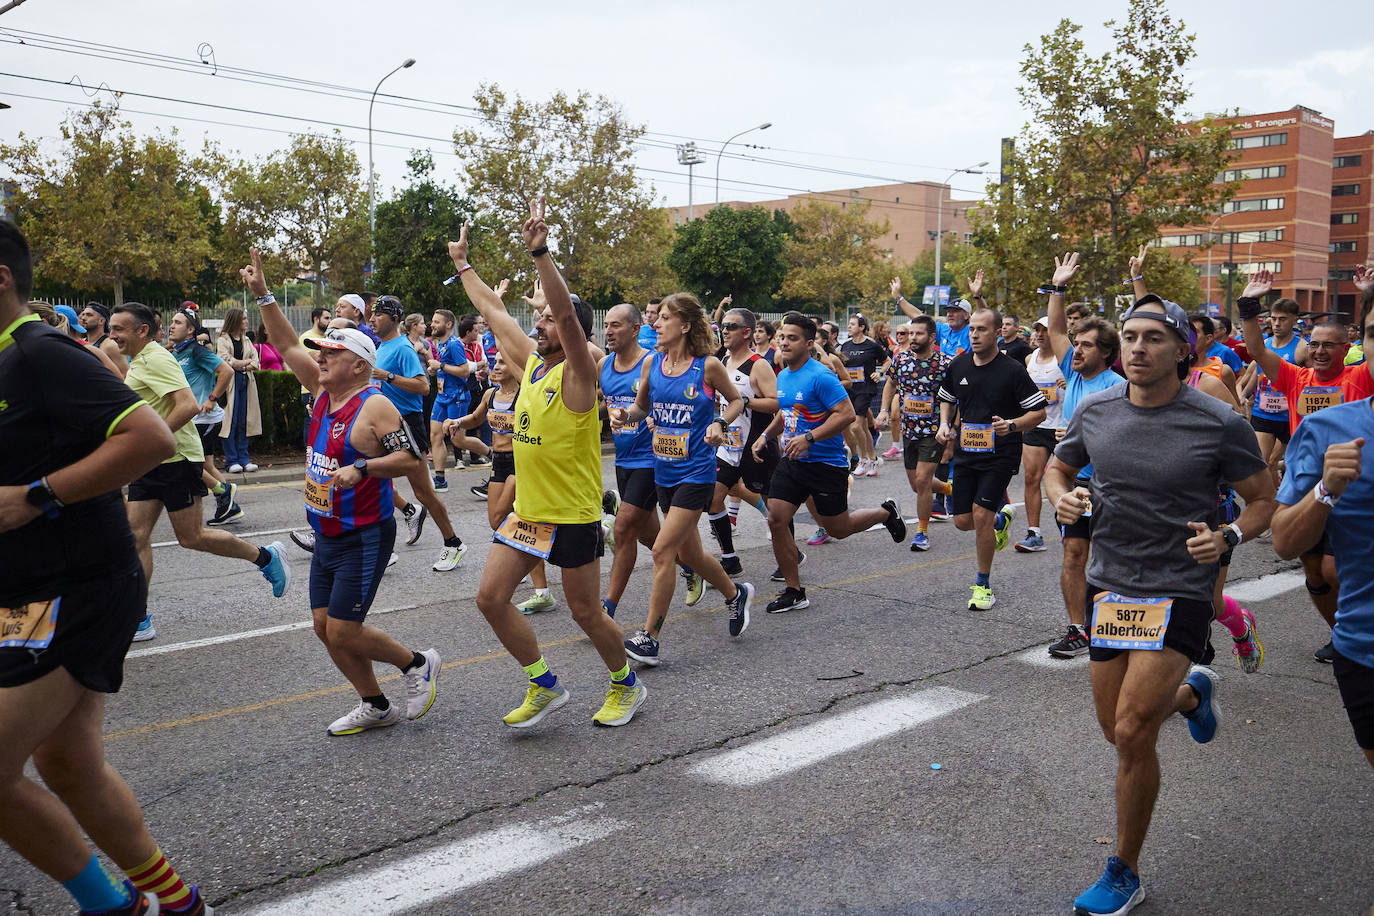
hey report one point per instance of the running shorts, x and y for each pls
(695, 497)
(1279, 429)
(1040, 437)
(418, 429)
(637, 487)
(862, 402)
(502, 466)
(209, 437)
(985, 486)
(826, 484)
(1356, 682)
(346, 569)
(176, 484)
(925, 450)
(1190, 626)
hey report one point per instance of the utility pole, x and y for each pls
(687, 155)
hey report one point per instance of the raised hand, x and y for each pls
(1065, 269)
(1137, 263)
(1260, 284)
(1342, 465)
(975, 284)
(252, 275)
(896, 287)
(1364, 278)
(537, 301)
(458, 250)
(502, 287)
(536, 230)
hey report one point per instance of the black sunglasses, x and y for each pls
(731, 326)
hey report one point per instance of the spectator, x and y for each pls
(242, 416)
(414, 329)
(267, 354)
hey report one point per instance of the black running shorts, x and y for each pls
(637, 487)
(826, 484)
(1357, 693)
(176, 484)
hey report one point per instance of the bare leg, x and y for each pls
(1073, 580)
(1033, 461)
(980, 521)
(780, 514)
(189, 526)
(504, 569)
(630, 524)
(143, 516)
(679, 528)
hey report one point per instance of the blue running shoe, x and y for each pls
(1203, 721)
(919, 541)
(145, 630)
(1031, 543)
(278, 572)
(1117, 892)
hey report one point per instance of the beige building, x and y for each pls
(911, 209)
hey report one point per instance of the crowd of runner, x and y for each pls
(708, 413)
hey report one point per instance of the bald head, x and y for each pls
(622, 328)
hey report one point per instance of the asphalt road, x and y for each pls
(884, 751)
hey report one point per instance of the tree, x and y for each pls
(731, 252)
(413, 232)
(1109, 154)
(306, 208)
(578, 152)
(832, 255)
(112, 206)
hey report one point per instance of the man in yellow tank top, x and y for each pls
(557, 512)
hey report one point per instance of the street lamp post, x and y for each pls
(764, 126)
(940, 222)
(687, 155)
(371, 181)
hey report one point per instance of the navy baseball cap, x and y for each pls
(1173, 316)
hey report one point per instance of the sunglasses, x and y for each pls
(731, 326)
(903, 333)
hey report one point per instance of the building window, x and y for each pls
(1345, 190)
(1258, 203)
(1344, 219)
(1241, 237)
(1254, 173)
(1217, 270)
(1340, 275)
(1346, 162)
(1259, 141)
(1342, 247)
(968, 236)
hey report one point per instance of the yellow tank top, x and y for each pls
(557, 453)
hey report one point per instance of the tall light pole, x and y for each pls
(940, 222)
(687, 155)
(764, 126)
(1211, 241)
(371, 181)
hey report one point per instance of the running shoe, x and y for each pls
(819, 538)
(536, 604)
(249, 468)
(449, 558)
(874, 466)
(362, 717)
(146, 630)
(982, 598)
(643, 648)
(223, 502)
(789, 599)
(478, 461)
(234, 469)
(777, 573)
(1071, 645)
(440, 484)
(233, 514)
(421, 685)
(539, 702)
(920, 541)
(732, 566)
(696, 586)
(893, 452)
(1116, 893)
(1203, 721)
(739, 608)
(939, 511)
(304, 539)
(393, 559)
(1031, 543)
(622, 702)
(415, 523)
(1249, 650)
(197, 906)
(480, 490)
(140, 904)
(895, 524)
(278, 571)
(608, 534)
(1004, 535)
(610, 502)
(1326, 654)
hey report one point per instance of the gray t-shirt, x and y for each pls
(1155, 469)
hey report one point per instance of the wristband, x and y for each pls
(725, 427)
(541, 250)
(1248, 307)
(269, 299)
(1133, 280)
(1051, 288)
(1322, 495)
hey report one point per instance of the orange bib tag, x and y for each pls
(670, 444)
(1315, 397)
(1051, 392)
(29, 626)
(319, 497)
(1130, 623)
(914, 405)
(734, 438)
(532, 537)
(856, 374)
(976, 437)
(502, 421)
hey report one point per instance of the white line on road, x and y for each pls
(911, 519)
(247, 634)
(1039, 656)
(245, 535)
(769, 758)
(1266, 586)
(431, 876)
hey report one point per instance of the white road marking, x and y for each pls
(247, 634)
(768, 758)
(426, 878)
(1266, 586)
(245, 535)
(1040, 657)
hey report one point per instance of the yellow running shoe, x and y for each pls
(539, 702)
(621, 704)
(1005, 534)
(696, 585)
(982, 598)
(537, 604)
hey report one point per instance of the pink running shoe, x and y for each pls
(893, 452)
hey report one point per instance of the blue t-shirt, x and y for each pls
(198, 364)
(648, 337)
(1351, 523)
(1227, 356)
(805, 396)
(489, 348)
(952, 342)
(682, 408)
(453, 389)
(398, 357)
(634, 448)
(1076, 388)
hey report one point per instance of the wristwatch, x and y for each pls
(361, 466)
(810, 439)
(1231, 534)
(391, 376)
(42, 498)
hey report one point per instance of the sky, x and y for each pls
(858, 93)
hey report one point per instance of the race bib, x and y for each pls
(29, 626)
(670, 444)
(1272, 401)
(914, 405)
(1051, 392)
(501, 421)
(534, 538)
(789, 423)
(734, 438)
(856, 373)
(1130, 623)
(976, 437)
(1315, 397)
(319, 497)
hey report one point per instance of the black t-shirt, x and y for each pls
(1001, 388)
(863, 359)
(1018, 349)
(57, 404)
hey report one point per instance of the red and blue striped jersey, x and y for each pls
(334, 510)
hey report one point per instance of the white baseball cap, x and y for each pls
(354, 300)
(962, 304)
(1043, 322)
(349, 339)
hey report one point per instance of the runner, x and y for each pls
(95, 318)
(404, 382)
(451, 367)
(358, 444)
(997, 402)
(901, 341)
(72, 592)
(497, 407)
(823, 351)
(1269, 415)
(557, 510)
(1011, 342)
(814, 410)
(913, 382)
(175, 485)
(863, 359)
(209, 378)
(1153, 560)
(1043, 366)
(470, 335)
(677, 389)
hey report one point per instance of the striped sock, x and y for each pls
(157, 877)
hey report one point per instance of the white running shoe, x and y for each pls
(421, 685)
(362, 717)
(249, 468)
(393, 561)
(235, 469)
(449, 558)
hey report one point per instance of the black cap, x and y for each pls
(584, 314)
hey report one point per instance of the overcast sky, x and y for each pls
(895, 91)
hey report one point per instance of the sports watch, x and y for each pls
(361, 466)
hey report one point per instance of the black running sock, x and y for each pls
(454, 541)
(720, 524)
(379, 702)
(264, 557)
(416, 661)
